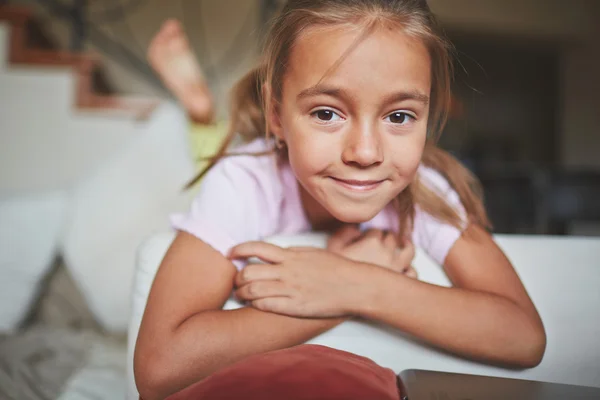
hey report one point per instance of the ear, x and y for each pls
(273, 114)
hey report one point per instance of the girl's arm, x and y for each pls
(487, 315)
(185, 336)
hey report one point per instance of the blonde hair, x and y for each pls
(249, 109)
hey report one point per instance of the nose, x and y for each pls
(363, 147)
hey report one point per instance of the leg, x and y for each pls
(172, 58)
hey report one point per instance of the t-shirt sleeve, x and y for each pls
(228, 209)
(434, 236)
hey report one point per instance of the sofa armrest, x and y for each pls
(149, 256)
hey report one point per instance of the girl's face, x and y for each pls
(355, 131)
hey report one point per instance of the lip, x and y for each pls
(358, 185)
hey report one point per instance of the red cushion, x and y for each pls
(297, 373)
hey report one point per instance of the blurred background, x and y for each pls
(527, 121)
(94, 151)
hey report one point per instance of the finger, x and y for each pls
(303, 249)
(265, 251)
(276, 305)
(406, 242)
(389, 240)
(410, 272)
(373, 234)
(343, 236)
(406, 254)
(257, 272)
(260, 290)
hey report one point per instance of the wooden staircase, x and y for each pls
(85, 66)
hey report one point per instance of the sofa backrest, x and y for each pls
(562, 276)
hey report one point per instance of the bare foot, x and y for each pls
(171, 57)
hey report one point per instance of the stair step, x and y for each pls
(23, 43)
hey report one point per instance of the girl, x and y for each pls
(355, 93)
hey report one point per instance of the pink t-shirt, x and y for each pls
(249, 198)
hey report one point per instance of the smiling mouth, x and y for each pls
(358, 185)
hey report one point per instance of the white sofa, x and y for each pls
(562, 276)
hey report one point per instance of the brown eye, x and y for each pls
(326, 115)
(399, 118)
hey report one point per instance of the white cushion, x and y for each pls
(149, 256)
(562, 275)
(30, 229)
(129, 198)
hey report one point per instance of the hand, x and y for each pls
(299, 282)
(374, 247)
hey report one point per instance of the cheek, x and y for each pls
(406, 156)
(307, 157)
(307, 152)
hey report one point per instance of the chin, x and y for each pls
(354, 214)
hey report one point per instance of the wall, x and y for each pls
(552, 18)
(4, 35)
(575, 31)
(580, 144)
(506, 104)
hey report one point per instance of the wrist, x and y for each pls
(364, 287)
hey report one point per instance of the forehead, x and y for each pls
(342, 56)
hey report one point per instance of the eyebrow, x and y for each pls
(341, 93)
